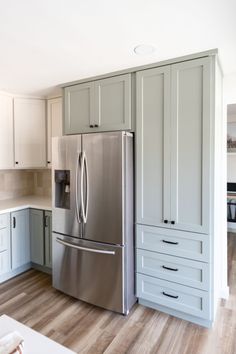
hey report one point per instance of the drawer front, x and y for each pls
(4, 220)
(178, 297)
(4, 239)
(172, 242)
(4, 262)
(179, 270)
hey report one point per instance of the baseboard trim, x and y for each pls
(175, 313)
(15, 272)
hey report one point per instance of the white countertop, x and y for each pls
(34, 342)
(30, 201)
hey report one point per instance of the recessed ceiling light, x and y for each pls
(144, 49)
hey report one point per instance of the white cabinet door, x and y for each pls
(153, 147)
(6, 132)
(190, 145)
(30, 133)
(54, 124)
(113, 103)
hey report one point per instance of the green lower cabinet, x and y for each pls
(41, 240)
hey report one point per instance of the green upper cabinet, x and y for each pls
(173, 146)
(102, 105)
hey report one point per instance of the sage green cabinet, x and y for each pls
(102, 105)
(41, 237)
(20, 238)
(173, 146)
(48, 239)
(37, 236)
(5, 244)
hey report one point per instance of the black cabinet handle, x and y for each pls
(16, 162)
(166, 221)
(91, 126)
(168, 268)
(48, 161)
(170, 242)
(96, 125)
(14, 222)
(173, 296)
(45, 221)
(172, 222)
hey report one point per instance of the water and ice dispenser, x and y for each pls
(62, 189)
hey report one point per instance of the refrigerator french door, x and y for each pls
(93, 251)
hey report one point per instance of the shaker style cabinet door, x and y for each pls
(48, 238)
(54, 124)
(190, 145)
(37, 236)
(79, 108)
(30, 133)
(113, 103)
(153, 147)
(6, 132)
(20, 238)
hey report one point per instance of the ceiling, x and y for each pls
(44, 43)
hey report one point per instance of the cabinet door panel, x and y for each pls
(152, 146)
(79, 108)
(30, 133)
(6, 132)
(54, 124)
(48, 239)
(190, 144)
(20, 238)
(113, 103)
(37, 236)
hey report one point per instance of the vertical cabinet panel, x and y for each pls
(6, 132)
(30, 133)
(54, 124)
(113, 103)
(48, 239)
(152, 146)
(20, 238)
(190, 145)
(37, 236)
(79, 108)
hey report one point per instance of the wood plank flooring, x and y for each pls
(30, 299)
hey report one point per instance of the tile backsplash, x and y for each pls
(18, 183)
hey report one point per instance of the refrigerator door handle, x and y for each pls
(84, 171)
(76, 188)
(87, 188)
(87, 249)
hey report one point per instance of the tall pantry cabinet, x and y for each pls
(175, 184)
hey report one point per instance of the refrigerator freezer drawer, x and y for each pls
(89, 271)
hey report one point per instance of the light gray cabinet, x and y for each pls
(173, 146)
(5, 244)
(48, 239)
(102, 105)
(20, 238)
(41, 237)
(37, 236)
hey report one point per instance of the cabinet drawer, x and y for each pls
(4, 220)
(178, 243)
(4, 262)
(4, 239)
(181, 298)
(179, 270)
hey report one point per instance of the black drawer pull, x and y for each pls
(173, 296)
(165, 221)
(91, 126)
(172, 222)
(96, 126)
(170, 242)
(168, 268)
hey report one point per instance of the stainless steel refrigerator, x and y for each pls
(93, 234)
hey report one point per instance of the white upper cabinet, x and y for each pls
(6, 132)
(30, 133)
(54, 124)
(173, 146)
(102, 105)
